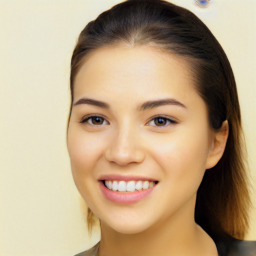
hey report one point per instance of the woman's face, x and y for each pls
(137, 117)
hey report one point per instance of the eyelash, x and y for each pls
(88, 120)
(165, 119)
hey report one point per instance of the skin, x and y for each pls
(129, 141)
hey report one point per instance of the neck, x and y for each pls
(176, 235)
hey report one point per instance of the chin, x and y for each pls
(128, 227)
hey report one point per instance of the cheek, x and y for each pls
(83, 149)
(182, 161)
(183, 153)
(84, 152)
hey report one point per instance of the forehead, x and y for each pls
(129, 70)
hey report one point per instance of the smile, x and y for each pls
(126, 191)
(128, 186)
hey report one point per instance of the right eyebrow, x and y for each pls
(93, 102)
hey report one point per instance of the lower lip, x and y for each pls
(124, 197)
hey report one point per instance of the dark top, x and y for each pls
(234, 247)
(227, 247)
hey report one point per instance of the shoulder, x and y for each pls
(91, 252)
(226, 247)
(234, 247)
(243, 248)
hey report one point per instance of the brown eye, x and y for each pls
(161, 121)
(94, 120)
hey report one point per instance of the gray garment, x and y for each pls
(231, 248)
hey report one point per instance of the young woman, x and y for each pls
(154, 134)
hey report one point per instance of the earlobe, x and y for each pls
(218, 145)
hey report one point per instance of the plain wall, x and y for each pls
(40, 207)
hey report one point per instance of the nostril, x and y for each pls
(124, 156)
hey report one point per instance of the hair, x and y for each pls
(223, 197)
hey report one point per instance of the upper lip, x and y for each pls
(125, 178)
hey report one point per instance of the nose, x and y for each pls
(124, 148)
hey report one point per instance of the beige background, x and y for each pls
(40, 212)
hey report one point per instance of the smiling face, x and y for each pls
(137, 117)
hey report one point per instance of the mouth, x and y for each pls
(123, 189)
(128, 186)
(127, 191)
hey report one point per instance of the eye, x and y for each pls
(161, 121)
(95, 120)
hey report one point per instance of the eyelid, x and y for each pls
(85, 119)
(172, 121)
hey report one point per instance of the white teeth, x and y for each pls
(145, 185)
(108, 184)
(122, 186)
(114, 186)
(138, 185)
(130, 186)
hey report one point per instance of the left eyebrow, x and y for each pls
(157, 103)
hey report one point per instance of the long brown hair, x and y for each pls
(223, 197)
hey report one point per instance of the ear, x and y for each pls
(218, 144)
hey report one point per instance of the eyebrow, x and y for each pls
(157, 103)
(145, 106)
(93, 102)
